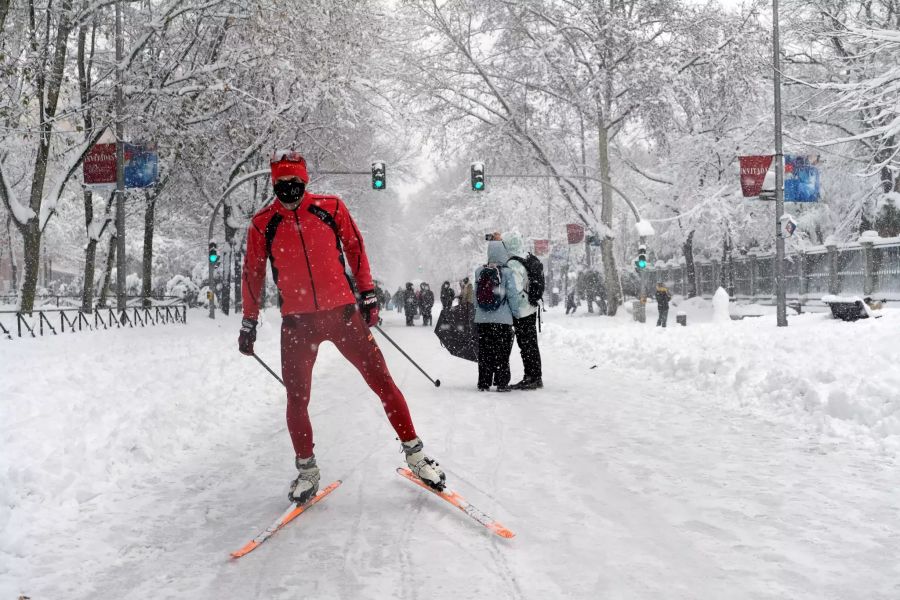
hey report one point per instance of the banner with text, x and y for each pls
(575, 233)
(141, 165)
(801, 177)
(753, 174)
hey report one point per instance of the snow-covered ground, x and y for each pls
(718, 460)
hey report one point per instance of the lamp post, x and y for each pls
(120, 169)
(780, 296)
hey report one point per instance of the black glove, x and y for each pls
(247, 336)
(368, 306)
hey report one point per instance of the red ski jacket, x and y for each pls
(308, 248)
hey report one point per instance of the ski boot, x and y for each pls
(307, 483)
(423, 467)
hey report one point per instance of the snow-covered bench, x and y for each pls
(849, 308)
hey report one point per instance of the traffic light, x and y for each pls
(641, 262)
(379, 180)
(213, 254)
(478, 176)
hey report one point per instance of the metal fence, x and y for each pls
(43, 301)
(868, 267)
(53, 321)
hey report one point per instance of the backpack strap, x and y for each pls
(327, 218)
(271, 229)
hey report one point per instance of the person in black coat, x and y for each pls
(663, 295)
(426, 302)
(410, 303)
(447, 296)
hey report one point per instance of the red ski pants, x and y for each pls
(301, 336)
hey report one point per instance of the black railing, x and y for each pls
(74, 300)
(45, 322)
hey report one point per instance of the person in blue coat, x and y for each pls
(496, 303)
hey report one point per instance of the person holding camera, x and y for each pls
(528, 276)
(308, 238)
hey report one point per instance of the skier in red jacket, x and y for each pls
(310, 240)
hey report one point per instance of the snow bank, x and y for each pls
(86, 414)
(835, 378)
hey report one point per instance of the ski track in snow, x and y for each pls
(618, 483)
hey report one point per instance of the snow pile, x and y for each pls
(835, 378)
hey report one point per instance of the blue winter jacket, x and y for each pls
(498, 255)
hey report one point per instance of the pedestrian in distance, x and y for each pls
(571, 303)
(426, 303)
(496, 304)
(528, 276)
(410, 303)
(398, 299)
(467, 298)
(308, 238)
(663, 297)
(590, 289)
(447, 296)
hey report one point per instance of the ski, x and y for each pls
(289, 515)
(460, 503)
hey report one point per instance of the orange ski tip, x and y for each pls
(503, 532)
(250, 547)
(283, 520)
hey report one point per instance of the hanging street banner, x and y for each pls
(753, 174)
(541, 247)
(100, 165)
(801, 177)
(141, 165)
(575, 233)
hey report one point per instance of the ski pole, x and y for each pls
(436, 382)
(275, 375)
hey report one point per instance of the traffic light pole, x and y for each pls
(780, 292)
(643, 242)
(121, 265)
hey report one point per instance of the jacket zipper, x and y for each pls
(306, 256)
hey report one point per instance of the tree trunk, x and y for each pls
(110, 260)
(225, 299)
(31, 237)
(90, 250)
(237, 281)
(147, 271)
(726, 275)
(690, 272)
(610, 272)
(4, 10)
(90, 255)
(13, 268)
(47, 110)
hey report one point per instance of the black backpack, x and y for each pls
(487, 286)
(535, 270)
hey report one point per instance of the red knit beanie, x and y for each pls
(285, 167)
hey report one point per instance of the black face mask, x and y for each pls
(289, 191)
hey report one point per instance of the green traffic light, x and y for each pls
(642, 264)
(379, 183)
(213, 258)
(479, 185)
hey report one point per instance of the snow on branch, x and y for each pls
(22, 214)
